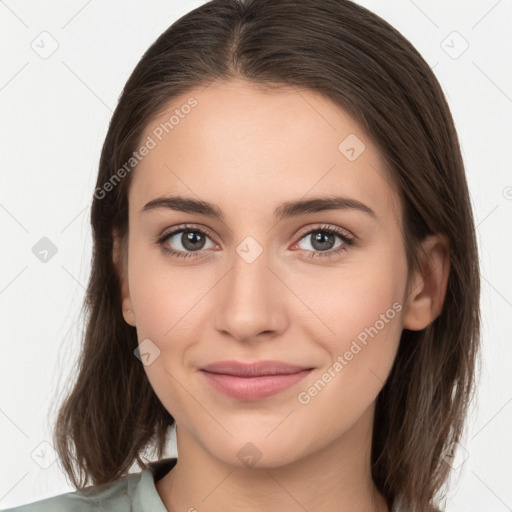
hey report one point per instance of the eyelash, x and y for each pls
(347, 241)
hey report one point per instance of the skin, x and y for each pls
(248, 150)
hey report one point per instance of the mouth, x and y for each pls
(253, 381)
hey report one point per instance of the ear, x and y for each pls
(120, 259)
(428, 289)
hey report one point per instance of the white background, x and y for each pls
(54, 117)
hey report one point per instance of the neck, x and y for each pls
(334, 478)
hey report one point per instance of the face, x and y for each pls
(319, 287)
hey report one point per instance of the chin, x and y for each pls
(256, 452)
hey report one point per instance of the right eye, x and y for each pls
(191, 238)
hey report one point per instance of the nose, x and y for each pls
(251, 299)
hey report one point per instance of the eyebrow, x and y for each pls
(286, 210)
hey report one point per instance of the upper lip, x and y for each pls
(253, 369)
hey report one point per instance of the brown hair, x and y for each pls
(364, 65)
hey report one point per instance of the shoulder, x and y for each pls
(116, 496)
(112, 496)
(132, 491)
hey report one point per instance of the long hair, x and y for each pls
(364, 65)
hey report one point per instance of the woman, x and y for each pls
(316, 348)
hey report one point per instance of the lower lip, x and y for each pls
(253, 388)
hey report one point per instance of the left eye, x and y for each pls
(322, 240)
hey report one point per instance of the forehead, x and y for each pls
(234, 140)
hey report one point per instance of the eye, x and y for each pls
(323, 239)
(194, 240)
(191, 239)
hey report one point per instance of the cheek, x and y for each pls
(359, 358)
(166, 297)
(361, 322)
(168, 303)
(370, 312)
(356, 305)
(165, 303)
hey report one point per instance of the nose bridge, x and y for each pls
(250, 300)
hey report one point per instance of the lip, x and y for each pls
(253, 381)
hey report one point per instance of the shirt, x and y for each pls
(135, 492)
